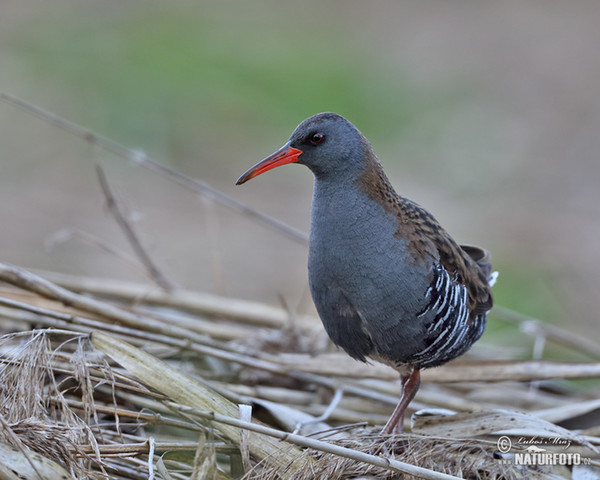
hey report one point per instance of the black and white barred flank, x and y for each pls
(449, 332)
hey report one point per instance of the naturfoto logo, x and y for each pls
(531, 451)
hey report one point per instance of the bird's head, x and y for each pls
(326, 143)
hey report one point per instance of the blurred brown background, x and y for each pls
(486, 113)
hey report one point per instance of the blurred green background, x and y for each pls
(486, 113)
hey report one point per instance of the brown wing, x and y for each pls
(469, 265)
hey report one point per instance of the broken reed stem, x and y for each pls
(130, 233)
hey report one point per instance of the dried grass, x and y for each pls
(110, 407)
(461, 458)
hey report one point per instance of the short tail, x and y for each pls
(482, 258)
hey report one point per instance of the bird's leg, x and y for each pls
(410, 384)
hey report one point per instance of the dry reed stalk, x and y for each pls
(187, 391)
(283, 390)
(333, 364)
(242, 311)
(338, 365)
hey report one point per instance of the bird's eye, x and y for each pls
(317, 138)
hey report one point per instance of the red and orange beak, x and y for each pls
(284, 155)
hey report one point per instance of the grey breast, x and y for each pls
(367, 288)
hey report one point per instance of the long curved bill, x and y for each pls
(283, 156)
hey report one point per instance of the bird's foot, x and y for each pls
(389, 446)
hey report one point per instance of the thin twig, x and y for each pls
(533, 326)
(142, 159)
(130, 233)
